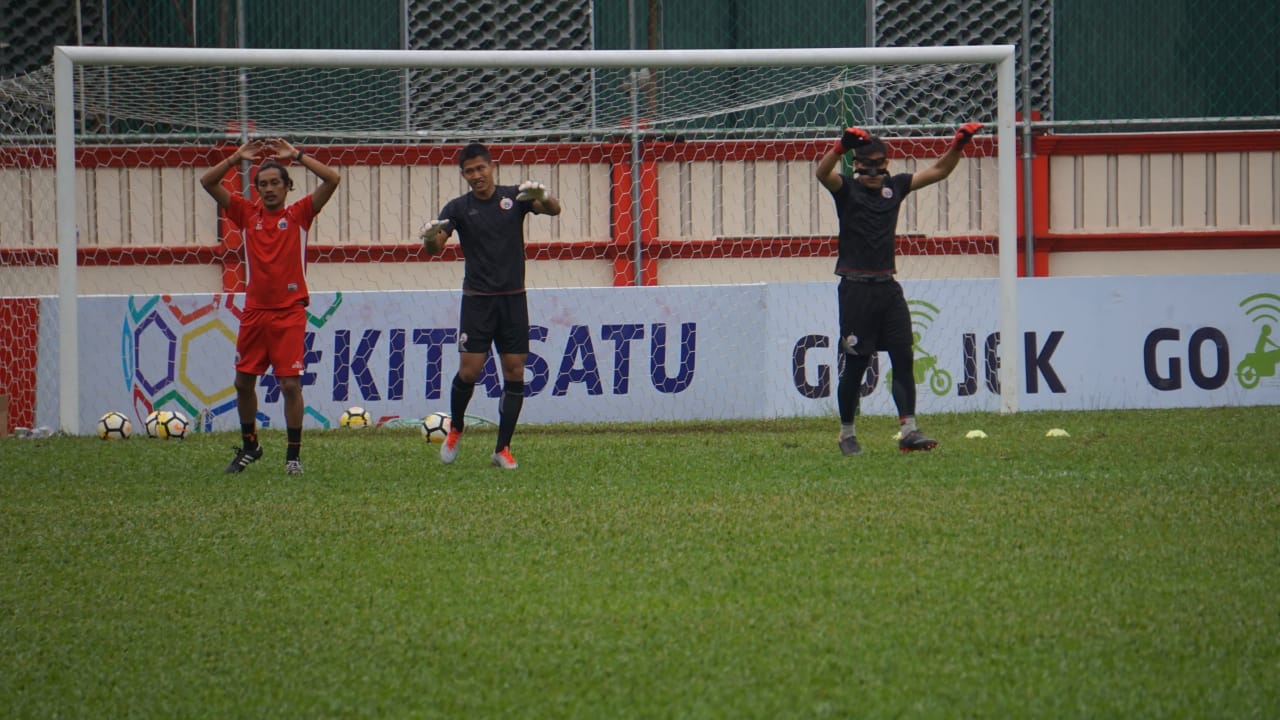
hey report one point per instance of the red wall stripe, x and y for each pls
(1143, 143)
(19, 336)
(160, 156)
(658, 248)
(27, 156)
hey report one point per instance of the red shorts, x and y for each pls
(272, 338)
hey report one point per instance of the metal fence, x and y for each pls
(1087, 63)
(1163, 59)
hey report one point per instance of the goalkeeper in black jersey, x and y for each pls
(489, 221)
(873, 309)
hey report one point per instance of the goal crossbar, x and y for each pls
(220, 57)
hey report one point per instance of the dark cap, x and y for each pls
(875, 146)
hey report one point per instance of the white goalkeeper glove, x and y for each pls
(531, 190)
(432, 232)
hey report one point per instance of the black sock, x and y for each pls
(509, 412)
(459, 399)
(293, 450)
(249, 434)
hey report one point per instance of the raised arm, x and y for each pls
(212, 180)
(826, 173)
(329, 178)
(945, 164)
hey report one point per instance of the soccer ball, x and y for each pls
(152, 423)
(172, 425)
(355, 417)
(435, 427)
(114, 426)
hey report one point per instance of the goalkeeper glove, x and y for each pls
(965, 134)
(852, 139)
(432, 232)
(531, 190)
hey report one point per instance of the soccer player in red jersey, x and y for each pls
(273, 325)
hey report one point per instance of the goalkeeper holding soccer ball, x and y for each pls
(873, 310)
(490, 224)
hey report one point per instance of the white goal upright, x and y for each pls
(678, 167)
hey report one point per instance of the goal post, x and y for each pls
(621, 101)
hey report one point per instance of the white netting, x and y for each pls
(723, 180)
(118, 104)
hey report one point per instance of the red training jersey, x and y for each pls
(275, 251)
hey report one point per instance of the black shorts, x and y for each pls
(875, 313)
(500, 320)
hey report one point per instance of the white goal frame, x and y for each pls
(67, 58)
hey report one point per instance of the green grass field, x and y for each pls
(741, 570)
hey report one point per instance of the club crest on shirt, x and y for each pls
(283, 224)
(886, 192)
(506, 203)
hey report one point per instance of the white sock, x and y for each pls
(846, 430)
(908, 424)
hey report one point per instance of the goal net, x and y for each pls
(693, 258)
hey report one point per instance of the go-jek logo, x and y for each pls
(924, 364)
(168, 349)
(1263, 312)
(975, 355)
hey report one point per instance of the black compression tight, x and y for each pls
(904, 380)
(849, 389)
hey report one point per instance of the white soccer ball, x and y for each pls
(172, 425)
(435, 427)
(355, 417)
(152, 424)
(114, 426)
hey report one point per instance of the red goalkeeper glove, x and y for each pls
(852, 139)
(965, 134)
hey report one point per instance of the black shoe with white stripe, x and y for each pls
(244, 456)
